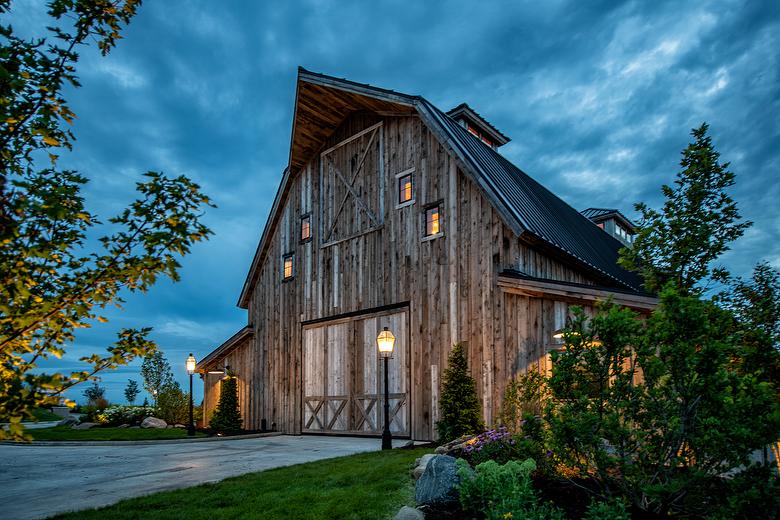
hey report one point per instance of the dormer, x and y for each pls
(613, 222)
(478, 126)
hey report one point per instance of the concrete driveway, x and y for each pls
(40, 481)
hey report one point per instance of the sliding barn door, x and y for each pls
(343, 377)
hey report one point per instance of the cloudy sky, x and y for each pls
(598, 98)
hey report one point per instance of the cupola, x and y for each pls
(478, 126)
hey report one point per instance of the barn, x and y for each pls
(392, 213)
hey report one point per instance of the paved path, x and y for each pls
(39, 481)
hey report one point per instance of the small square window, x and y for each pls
(405, 188)
(432, 221)
(305, 228)
(287, 266)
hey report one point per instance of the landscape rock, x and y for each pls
(153, 422)
(454, 446)
(68, 421)
(420, 465)
(177, 425)
(84, 426)
(409, 513)
(123, 426)
(135, 427)
(439, 482)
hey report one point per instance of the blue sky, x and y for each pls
(598, 98)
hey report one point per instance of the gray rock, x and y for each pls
(454, 446)
(135, 427)
(153, 422)
(439, 482)
(409, 513)
(179, 426)
(123, 426)
(84, 426)
(68, 421)
(420, 465)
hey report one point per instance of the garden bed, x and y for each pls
(66, 433)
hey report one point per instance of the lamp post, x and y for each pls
(385, 342)
(191, 370)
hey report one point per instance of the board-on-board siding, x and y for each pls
(368, 255)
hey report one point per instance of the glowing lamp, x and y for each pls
(385, 341)
(191, 364)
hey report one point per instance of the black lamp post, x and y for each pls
(191, 370)
(385, 342)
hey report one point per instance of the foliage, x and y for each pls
(116, 415)
(500, 491)
(156, 373)
(355, 487)
(131, 391)
(227, 418)
(94, 392)
(689, 419)
(697, 222)
(756, 307)
(51, 282)
(66, 433)
(523, 396)
(497, 445)
(173, 404)
(607, 510)
(459, 405)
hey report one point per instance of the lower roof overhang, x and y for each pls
(212, 359)
(515, 282)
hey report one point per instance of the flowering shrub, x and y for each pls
(497, 444)
(116, 414)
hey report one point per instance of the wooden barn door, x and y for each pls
(343, 376)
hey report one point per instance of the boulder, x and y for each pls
(420, 465)
(409, 513)
(68, 421)
(177, 425)
(84, 426)
(153, 422)
(125, 425)
(454, 446)
(439, 482)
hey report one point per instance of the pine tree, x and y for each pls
(131, 391)
(227, 418)
(460, 410)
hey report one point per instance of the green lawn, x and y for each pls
(362, 487)
(66, 433)
(42, 414)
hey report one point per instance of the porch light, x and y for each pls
(191, 370)
(385, 342)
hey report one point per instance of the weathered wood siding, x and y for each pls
(241, 363)
(448, 282)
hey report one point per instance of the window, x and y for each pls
(287, 266)
(404, 188)
(305, 228)
(432, 221)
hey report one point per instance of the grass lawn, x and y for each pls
(362, 487)
(66, 433)
(42, 414)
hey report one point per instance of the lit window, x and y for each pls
(473, 131)
(432, 221)
(305, 228)
(601, 225)
(404, 188)
(287, 266)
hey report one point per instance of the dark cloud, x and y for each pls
(598, 97)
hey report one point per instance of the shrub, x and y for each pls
(93, 393)
(116, 414)
(227, 418)
(173, 404)
(501, 491)
(608, 510)
(460, 410)
(524, 396)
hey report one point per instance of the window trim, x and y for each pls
(305, 216)
(438, 205)
(291, 257)
(398, 176)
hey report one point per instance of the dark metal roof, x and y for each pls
(537, 209)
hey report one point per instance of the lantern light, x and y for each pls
(385, 342)
(191, 364)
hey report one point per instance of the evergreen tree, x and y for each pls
(679, 242)
(131, 391)
(227, 418)
(459, 406)
(94, 393)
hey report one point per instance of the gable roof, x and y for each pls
(601, 214)
(226, 348)
(465, 110)
(528, 208)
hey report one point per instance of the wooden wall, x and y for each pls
(449, 282)
(241, 363)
